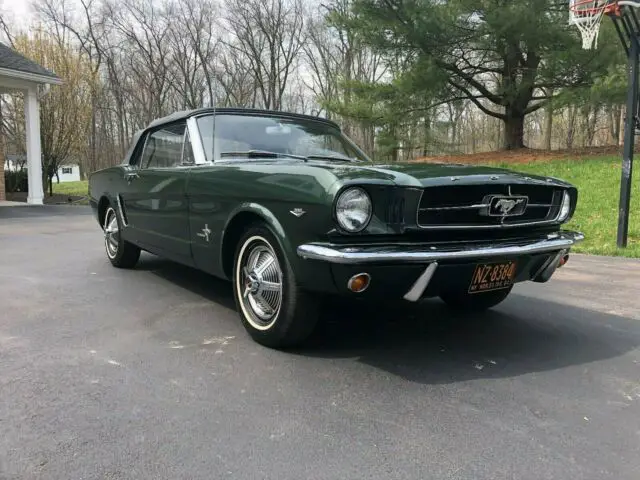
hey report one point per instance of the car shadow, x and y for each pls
(191, 279)
(430, 344)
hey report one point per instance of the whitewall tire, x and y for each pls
(272, 308)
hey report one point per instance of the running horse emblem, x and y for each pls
(505, 205)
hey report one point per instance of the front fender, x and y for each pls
(309, 276)
(268, 216)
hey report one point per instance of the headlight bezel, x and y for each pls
(336, 204)
(564, 212)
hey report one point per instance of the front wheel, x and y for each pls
(475, 302)
(272, 307)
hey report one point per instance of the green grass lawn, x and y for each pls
(598, 183)
(80, 188)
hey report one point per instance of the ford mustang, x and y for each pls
(291, 211)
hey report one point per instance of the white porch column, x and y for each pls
(34, 153)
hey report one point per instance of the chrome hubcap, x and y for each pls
(111, 233)
(261, 282)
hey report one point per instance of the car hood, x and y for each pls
(430, 174)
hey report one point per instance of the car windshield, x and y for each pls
(247, 136)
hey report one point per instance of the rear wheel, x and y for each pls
(121, 253)
(475, 302)
(272, 308)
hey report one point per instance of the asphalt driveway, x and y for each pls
(148, 374)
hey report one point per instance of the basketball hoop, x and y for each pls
(624, 14)
(587, 16)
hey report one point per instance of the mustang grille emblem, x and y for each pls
(506, 206)
(503, 206)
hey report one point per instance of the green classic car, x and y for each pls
(291, 211)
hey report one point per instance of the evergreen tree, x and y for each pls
(507, 57)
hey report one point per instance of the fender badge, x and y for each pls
(205, 232)
(298, 212)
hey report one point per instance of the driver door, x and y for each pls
(156, 202)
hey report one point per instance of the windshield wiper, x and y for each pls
(332, 157)
(261, 154)
(268, 154)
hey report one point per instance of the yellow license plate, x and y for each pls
(492, 276)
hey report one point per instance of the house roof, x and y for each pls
(13, 61)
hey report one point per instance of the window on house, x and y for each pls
(67, 170)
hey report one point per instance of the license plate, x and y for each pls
(492, 276)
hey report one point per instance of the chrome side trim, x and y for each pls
(424, 253)
(121, 212)
(421, 284)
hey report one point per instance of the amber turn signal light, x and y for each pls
(359, 283)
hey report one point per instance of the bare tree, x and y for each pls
(270, 33)
(145, 28)
(65, 111)
(6, 30)
(193, 38)
(90, 33)
(323, 58)
(236, 80)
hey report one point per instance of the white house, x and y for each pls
(20, 74)
(69, 172)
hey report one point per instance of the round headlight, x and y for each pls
(565, 207)
(353, 210)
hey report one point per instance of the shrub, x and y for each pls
(16, 181)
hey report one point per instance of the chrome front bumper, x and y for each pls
(421, 253)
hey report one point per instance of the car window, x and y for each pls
(188, 157)
(164, 147)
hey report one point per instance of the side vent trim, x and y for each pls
(125, 223)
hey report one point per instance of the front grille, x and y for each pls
(467, 206)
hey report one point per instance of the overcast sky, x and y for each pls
(16, 9)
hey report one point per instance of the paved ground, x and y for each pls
(109, 374)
